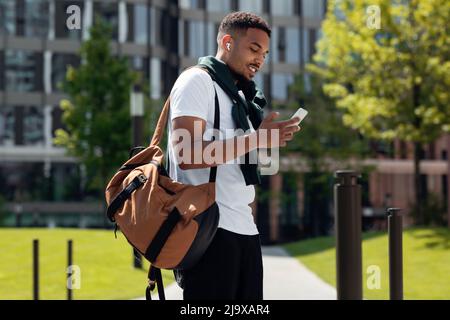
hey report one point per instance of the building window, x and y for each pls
(196, 39)
(6, 126)
(312, 43)
(293, 45)
(156, 78)
(181, 36)
(279, 44)
(36, 18)
(61, 15)
(7, 17)
(280, 85)
(141, 65)
(282, 7)
(259, 80)
(57, 122)
(25, 17)
(254, 6)
(313, 9)
(191, 4)
(109, 12)
(306, 45)
(23, 70)
(137, 15)
(212, 37)
(2, 70)
(33, 126)
(218, 6)
(60, 64)
(157, 24)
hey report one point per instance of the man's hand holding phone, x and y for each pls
(286, 130)
(300, 114)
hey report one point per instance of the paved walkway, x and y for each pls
(285, 278)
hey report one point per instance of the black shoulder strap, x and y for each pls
(213, 172)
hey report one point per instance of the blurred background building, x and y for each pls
(160, 38)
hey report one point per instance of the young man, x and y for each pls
(232, 267)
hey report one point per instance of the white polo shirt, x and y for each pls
(193, 95)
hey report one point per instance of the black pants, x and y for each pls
(230, 269)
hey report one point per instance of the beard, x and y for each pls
(240, 78)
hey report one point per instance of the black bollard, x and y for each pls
(35, 269)
(348, 216)
(395, 230)
(69, 266)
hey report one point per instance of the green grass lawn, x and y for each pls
(106, 264)
(426, 261)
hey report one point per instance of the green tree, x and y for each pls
(96, 115)
(392, 82)
(323, 136)
(324, 144)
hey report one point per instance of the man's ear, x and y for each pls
(225, 40)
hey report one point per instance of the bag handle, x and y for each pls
(161, 125)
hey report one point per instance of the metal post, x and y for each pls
(448, 180)
(18, 212)
(395, 254)
(137, 115)
(348, 216)
(69, 266)
(35, 269)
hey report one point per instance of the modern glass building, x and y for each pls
(159, 37)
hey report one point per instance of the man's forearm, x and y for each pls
(205, 154)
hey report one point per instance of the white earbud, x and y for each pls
(228, 46)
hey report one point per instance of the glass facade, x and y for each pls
(259, 80)
(21, 126)
(255, 6)
(293, 45)
(309, 40)
(6, 126)
(286, 45)
(282, 7)
(60, 64)
(152, 48)
(219, 6)
(305, 46)
(23, 70)
(33, 126)
(27, 18)
(313, 9)
(190, 4)
(212, 38)
(140, 24)
(156, 77)
(157, 23)
(24, 181)
(7, 17)
(279, 44)
(36, 18)
(196, 39)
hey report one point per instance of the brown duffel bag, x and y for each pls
(171, 224)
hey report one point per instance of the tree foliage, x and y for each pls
(97, 116)
(392, 82)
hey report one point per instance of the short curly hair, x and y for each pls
(241, 21)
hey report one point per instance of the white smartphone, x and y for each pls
(300, 113)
